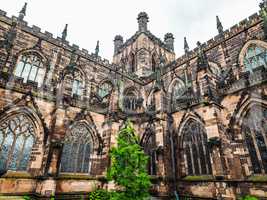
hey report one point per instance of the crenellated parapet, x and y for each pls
(217, 40)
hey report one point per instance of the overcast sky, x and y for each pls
(92, 20)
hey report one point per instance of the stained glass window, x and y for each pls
(30, 67)
(196, 152)
(255, 132)
(17, 137)
(255, 57)
(77, 149)
(105, 89)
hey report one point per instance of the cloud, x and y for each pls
(90, 20)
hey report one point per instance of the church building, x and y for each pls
(201, 117)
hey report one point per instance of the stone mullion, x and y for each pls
(198, 158)
(253, 135)
(205, 155)
(192, 158)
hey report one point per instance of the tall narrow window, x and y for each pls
(78, 84)
(17, 137)
(132, 63)
(255, 56)
(195, 151)
(77, 150)
(30, 67)
(254, 129)
(149, 146)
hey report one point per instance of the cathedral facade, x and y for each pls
(201, 118)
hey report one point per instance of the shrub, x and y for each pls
(249, 198)
(129, 167)
(99, 194)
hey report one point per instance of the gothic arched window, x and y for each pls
(78, 84)
(30, 67)
(132, 67)
(77, 149)
(254, 129)
(150, 150)
(105, 89)
(255, 57)
(195, 151)
(17, 136)
(178, 89)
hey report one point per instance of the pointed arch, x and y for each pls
(78, 147)
(148, 142)
(132, 62)
(253, 55)
(193, 147)
(21, 128)
(75, 82)
(248, 126)
(176, 89)
(31, 65)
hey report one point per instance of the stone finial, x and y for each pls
(169, 41)
(186, 47)
(118, 42)
(263, 4)
(97, 48)
(22, 12)
(219, 25)
(65, 33)
(202, 60)
(142, 21)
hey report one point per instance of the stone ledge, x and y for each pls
(80, 177)
(13, 174)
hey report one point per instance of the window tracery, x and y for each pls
(30, 67)
(254, 129)
(17, 136)
(77, 149)
(196, 153)
(255, 57)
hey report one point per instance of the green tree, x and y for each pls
(129, 166)
(249, 198)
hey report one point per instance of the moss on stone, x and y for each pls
(198, 178)
(258, 178)
(79, 177)
(13, 174)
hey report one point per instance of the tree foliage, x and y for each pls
(129, 166)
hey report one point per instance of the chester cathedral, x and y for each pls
(201, 118)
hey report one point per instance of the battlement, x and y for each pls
(47, 36)
(218, 39)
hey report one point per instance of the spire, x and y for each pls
(97, 48)
(22, 12)
(65, 33)
(186, 47)
(219, 25)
